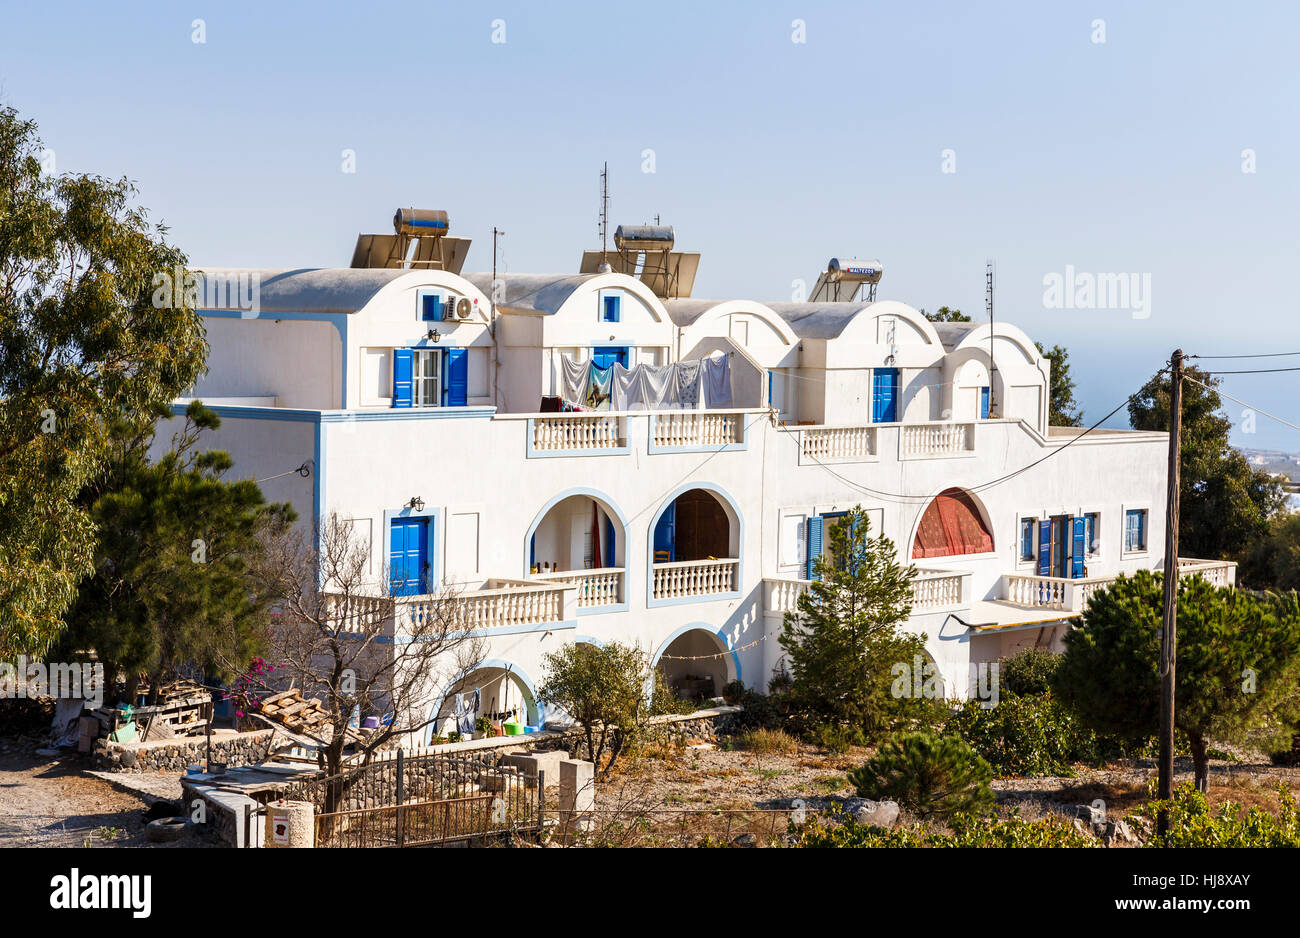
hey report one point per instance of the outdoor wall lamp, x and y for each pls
(434, 336)
(416, 503)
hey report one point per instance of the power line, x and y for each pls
(1252, 371)
(1260, 355)
(1257, 410)
(909, 499)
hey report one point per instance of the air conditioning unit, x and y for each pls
(463, 307)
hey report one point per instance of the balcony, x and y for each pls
(932, 591)
(1071, 596)
(694, 579)
(596, 589)
(936, 440)
(514, 605)
(588, 433)
(696, 430)
(837, 444)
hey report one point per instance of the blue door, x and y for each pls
(884, 396)
(408, 556)
(605, 356)
(609, 543)
(984, 403)
(664, 534)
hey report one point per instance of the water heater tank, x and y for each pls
(420, 222)
(854, 269)
(643, 237)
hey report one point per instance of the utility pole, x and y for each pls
(493, 298)
(1169, 632)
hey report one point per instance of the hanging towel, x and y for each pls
(574, 376)
(658, 386)
(599, 388)
(625, 388)
(689, 378)
(717, 381)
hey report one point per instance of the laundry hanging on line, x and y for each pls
(679, 386)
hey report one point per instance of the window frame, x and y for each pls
(1145, 511)
(418, 380)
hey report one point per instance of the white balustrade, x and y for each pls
(601, 587)
(1216, 572)
(937, 589)
(783, 595)
(578, 431)
(695, 578)
(675, 429)
(937, 439)
(837, 444)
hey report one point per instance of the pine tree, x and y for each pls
(174, 583)
(845, 639)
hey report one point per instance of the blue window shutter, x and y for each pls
(984, 403)
(457, 377)
(814, 540)
(884, 397)
(612, 308)
(402, 367)
(1142, 530)
(431, 310)
(1044, 548)
(1080, 546)
(665, 534)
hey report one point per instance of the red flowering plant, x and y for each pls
(248, 689)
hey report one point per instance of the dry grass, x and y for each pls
(769, 742)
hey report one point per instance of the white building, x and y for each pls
(686, 529)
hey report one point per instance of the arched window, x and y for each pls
(952, 525)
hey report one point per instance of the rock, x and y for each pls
(875, 813)
(1082, 827)
(129, 758)
(1117, 832)
(744, 840)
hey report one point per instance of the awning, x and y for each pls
(995, 616)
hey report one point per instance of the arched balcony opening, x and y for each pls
(695, 547)
(953, 525)
(581, 539)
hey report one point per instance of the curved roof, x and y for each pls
(818, 320)
(538, 293)
(952, 334)
(309, 290)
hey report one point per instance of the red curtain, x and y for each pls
(951, 526)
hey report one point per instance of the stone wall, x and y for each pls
(177, 755)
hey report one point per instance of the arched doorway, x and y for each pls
(952, 525)
(696, 664)
(579, 537)
(695, 545)
(496, 690)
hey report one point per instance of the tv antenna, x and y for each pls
(988, 304)
(604, 219)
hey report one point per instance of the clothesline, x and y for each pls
(679, 386)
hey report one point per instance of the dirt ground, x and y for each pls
(706, 776)
(47, 802)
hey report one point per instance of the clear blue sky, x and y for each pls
(771, 156)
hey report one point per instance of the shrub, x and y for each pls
(838, 739)
(928, 774)
(967, 832)
(1191, 824)
(1028, 672)
(769, 742)
(734, 692)
(1032, 735)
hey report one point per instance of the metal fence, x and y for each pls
(421, 800)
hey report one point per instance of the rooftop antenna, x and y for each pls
(604, 220)
(496, 233)
(988, 304)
